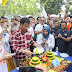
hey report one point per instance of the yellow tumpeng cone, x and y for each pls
(36, 51)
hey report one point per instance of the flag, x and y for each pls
(43, 14)
(4, 2)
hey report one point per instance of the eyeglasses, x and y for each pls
(42, 20)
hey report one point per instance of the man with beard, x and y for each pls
(61, 35)
(69, 50)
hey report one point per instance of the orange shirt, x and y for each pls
(69, 26)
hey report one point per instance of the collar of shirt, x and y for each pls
(22, 31)
(64, 31)
(57, 28)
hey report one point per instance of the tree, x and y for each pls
(20, 7)
(70, 9)
(52, 6)
(4, 10)
(68, 4)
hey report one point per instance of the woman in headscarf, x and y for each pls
(46, 39)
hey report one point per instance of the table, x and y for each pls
(15, 70)
(69, 69)
(67, 58)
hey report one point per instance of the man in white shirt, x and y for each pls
(51, 25)
(30, 29)
(39, 27)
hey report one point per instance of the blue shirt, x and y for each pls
(60, 43)
(55, 30)
(69, 50)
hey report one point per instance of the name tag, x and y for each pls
(55, 62)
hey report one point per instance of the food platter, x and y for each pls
(47, 63)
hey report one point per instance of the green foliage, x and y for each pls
(52, 6)
(68, 3)
(20, 7)
(7, 9)
(70, 9)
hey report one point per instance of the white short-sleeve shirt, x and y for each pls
(39, 27)
(30, 29)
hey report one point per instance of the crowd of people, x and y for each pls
(22, 35)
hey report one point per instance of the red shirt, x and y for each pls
(69, 26)
(21, 41)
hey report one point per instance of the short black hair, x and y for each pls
(64, 22)
(25, 20)
(38, 17)
(55, 21)
(2, 16)
(30, 17)
(16, 19)
(70, 16)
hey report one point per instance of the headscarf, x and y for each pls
(48, 29)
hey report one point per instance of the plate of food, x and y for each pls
(64, 62)
(64, 55)
(38, 50)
